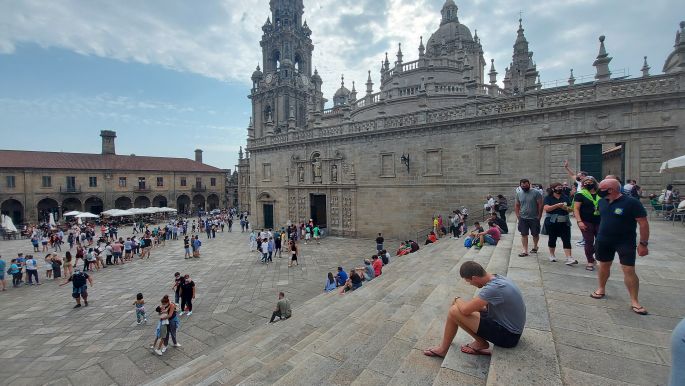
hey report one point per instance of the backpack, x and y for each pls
(79, 279)
(468, 242)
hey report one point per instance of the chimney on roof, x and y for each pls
(108, 141)
(198, 155)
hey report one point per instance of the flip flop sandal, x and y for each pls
(637, 310)
(595, 295)
(466, 349)
(589, 267)
(431, 353)
(523, 254)
(534, 250)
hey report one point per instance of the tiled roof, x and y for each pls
(52, 160)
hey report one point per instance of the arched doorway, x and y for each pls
(93, 205)
(70, 204)
(198, 202)
(45, 207)
(212, 202)
(123, 203)
(159, 202)
(14, 209)
(183, 204)
(142, 202)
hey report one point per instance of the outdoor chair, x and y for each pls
(657, 208)
(679, 213)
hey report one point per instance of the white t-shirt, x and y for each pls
(31, 264)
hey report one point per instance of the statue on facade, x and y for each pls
(334, 173)
(317, 169)
(300, 173)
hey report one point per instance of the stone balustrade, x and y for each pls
(485, 107)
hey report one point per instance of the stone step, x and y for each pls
(534, 360)
(474, 369)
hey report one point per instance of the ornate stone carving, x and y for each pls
(335, 211)
(302, 214)
(300, 174)
(292, 206)
(347, 210)
(334, 174)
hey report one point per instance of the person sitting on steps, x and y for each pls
(497, 314)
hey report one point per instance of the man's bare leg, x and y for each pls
(524, 243)
(632, 282)
(455, 319)
(603, 276)
(535, 241)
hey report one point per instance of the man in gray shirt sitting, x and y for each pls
(282, 310)
(497, 314)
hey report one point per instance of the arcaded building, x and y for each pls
(430, 134)
(34, 184)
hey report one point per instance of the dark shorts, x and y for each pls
(493, 332)
(605, 251)
(79, 291)
(529, 226)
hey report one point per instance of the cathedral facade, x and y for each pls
(440, 132)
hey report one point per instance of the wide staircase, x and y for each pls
(376, 334)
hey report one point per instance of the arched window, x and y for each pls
(267, 114)
(276, 58)
(299, 63)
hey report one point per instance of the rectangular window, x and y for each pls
(93, 182)
(212, 181)
(488, 159)
(388, 165)
(266, 172)
(141, 183)
(71, 183)
(433, 162)
(122, 182)
(183, 181)
(198, 182)
(160, 181)
(10, 182)
(47, 181)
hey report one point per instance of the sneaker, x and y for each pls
(571, 261)
(580, 243)
(164, 349)
(152, 347)
(553, 259)
(86, 301)
(77, 306)
(181, 314)
(159, 352)
(176, 345)
(145, 321)
(139, 322)
(191, 312)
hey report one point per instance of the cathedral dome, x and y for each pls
(450, 30)
(257, 74)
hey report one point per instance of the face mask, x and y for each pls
(525, 189)
(590, 186)
(603, 193)
(557, 191)
(578, 179)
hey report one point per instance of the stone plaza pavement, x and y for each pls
(44, 340)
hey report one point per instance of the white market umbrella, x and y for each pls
(121, 213)
(168, 210)
(72, 213)
(8, 224)
(109, 212)
(673, 165)
(52, 219)
(86, 215)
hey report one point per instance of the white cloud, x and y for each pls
(220, 39)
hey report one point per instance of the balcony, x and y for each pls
(142, 189)
(70, 189)
(199, 188)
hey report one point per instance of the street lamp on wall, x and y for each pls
(405, 161)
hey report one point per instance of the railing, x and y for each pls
(449, 88)
(142, 189)
(410, 66)
(70, 189)
(199, 188)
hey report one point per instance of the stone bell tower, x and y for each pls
(285, 92)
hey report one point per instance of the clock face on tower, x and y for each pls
(269, 78)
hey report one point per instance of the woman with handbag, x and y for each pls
(557, 222)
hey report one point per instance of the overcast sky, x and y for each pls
(172, 76)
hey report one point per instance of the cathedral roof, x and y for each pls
(342, 91)
(450, 29)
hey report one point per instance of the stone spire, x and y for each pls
(520, 37)
(676, 59)
(539, 83)
(475, 36)
(369, 85)
(399, 54)
(645, 68)
(422, 49)
(602, 63)
(386, 63)
(493, 73)
(449, 12)
(240, 153)
(522, 71)
(353, 93)
(571, 79)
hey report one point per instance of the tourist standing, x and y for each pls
(31, 270)
(528, 212)
(620, 217)
(186, 247)
(558, 222)
(196, 246)
(586, 211)
(80, 288)
(379, 242)
(293, 254)
(2, 273)
(139, 303)
(187, 294)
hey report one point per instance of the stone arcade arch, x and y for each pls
(123, 202)
(183, 204)
(94, 205)
(14, 209)
(212, 202)
(142, 202)
(70, 204)
(198, 202)
(159, 201)
(45, 207)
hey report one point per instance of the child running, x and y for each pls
(140, 308)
